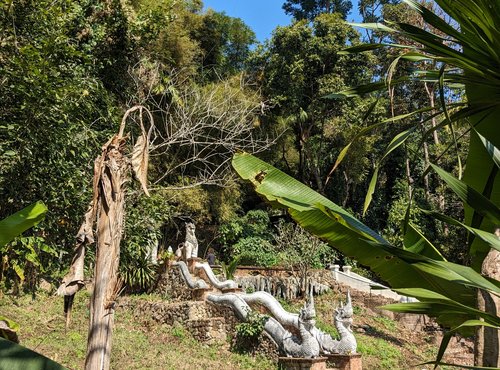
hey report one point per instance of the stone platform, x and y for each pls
(344, 362)
(291, 363)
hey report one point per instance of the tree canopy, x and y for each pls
(310, 9)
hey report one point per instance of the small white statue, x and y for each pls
(191, 243)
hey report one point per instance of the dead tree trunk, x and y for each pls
(111, 170)
(111, 173)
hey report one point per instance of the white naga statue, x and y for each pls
(188, 249)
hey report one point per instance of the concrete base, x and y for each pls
(344, 362)
(200, 294)
(291, 363)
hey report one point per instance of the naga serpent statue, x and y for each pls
(343, 322)
(309, 342)
(342, 318)
(304, 345)
(193, 284)
(227, 284)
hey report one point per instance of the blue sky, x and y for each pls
(262, 16)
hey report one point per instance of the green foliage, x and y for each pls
(310, 9)
(55, 109)
(16, 357)
(225, 44)
(438, 282)
(145, 219)
(22, 255)
(69, 68)
(252, 327)
(138, 274)
(249, 239)
(255, 251)
(230, 268)
(12, 355)
(254, 223)
(23, 260)
(444, 288)
(302, 64)
(298, 249)
(20, 221)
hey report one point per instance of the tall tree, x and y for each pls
(225, 43)
(310, 9)
(300, 66)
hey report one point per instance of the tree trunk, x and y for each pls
(112, 173)
(488, 339)
(430, 94)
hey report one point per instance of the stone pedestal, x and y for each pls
(200, 294)
(232, 290)
(291, 363)
(344, 362)
(191, 263)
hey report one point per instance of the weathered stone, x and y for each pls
(289, 363)
(200, 294)
(344, 362)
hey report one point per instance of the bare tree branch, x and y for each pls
(199, 128)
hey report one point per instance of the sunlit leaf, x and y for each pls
(21, 221)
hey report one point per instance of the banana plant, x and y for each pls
(466, 53)
(445, 290)
(12, 355)
(15, 225)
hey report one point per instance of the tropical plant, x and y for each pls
(16, 254)
(230, 268)
(10, 228)
(252, 327)
(248, 238)
(16, 357)
(12, 355)
(446, 290)
(139, 273)
(466, 57)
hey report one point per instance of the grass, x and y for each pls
(137, 343)
(385, 354)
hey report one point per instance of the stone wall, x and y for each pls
(172, 286)
(206, 322)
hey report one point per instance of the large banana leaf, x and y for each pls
(16, 357)
(400, 268)
(469, 57)
(21, 221)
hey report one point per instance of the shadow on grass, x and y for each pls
(376, 333)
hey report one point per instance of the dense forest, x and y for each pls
(71, 69)
(392, 123)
